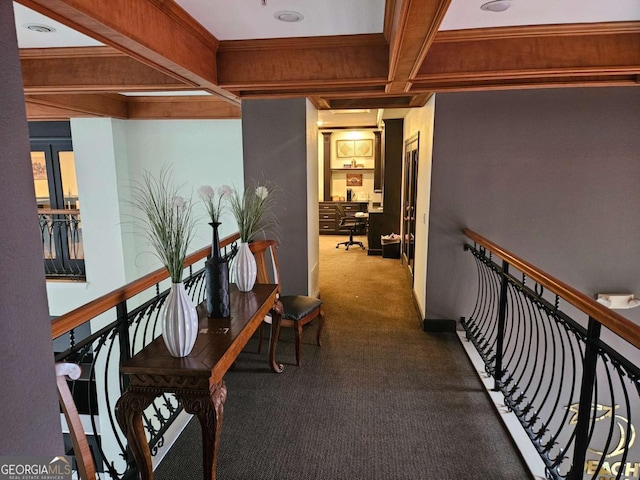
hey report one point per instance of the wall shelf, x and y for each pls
(353, 169)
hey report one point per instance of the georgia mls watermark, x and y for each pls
(35, 468)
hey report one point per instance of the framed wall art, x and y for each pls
(354, 179)
(354, 148)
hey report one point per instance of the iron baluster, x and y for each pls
(501, 320)
(586, 395)
(123, 337)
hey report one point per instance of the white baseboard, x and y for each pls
(521, 439)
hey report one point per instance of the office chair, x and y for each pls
(353, 223)
(297, 310)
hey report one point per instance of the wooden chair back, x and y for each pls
(264, 251)
(84, 460)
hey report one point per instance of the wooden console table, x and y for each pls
(197, 379)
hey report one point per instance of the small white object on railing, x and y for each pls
(618, 300)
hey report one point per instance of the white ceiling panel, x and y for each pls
(250, 19)
(63, 36)
(465, 14)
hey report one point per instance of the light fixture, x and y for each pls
(618, 300)
(288, 16)
(496, 6)
(39, 27)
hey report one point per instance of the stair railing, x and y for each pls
(109, 330)
(576, 395)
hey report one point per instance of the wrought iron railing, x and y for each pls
(577, 397)
(121, 324)
(61, 234)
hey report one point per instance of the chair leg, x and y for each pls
(298, 337)
(320, 327)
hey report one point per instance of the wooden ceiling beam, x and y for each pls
(155, 32)
(535, 53)
(101, 69)
(410, 27)
(36, 111)
(192, 107)
(289, 63)
(94, 105)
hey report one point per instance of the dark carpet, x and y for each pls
(381, 399)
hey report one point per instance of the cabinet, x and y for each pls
(330, 219)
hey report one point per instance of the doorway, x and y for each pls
(56, 189)
(409, 189)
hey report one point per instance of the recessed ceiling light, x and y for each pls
(496, 6)
(288, 16)
(39, 27)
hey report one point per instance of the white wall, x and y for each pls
(421, 120)
(201, 152)
(94, 150)
(338, 180)
(109, 155)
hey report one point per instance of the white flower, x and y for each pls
(225, 191)
(262, 192)
(179, 203)
(206, 192)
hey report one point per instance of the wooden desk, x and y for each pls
(197, 378)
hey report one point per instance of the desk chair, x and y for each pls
(84, 460)
(353, 223)
(297, 310)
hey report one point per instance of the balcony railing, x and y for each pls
(61, 234)
(117, 326)
(576, 396)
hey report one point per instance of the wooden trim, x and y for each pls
(58, 211)
(468, 62)
(84, 313)
(98, 105)
(623, 327)
(192, 107)
(415, 24)
(69, 52)
(532, 31)
(303, 43)
(158, 33)
(322, 62)
(72, 72)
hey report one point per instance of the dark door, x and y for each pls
(410, 184)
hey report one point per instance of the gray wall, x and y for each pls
(551, 175)
(274, 139)
(29, 419)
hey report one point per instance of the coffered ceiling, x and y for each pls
(365, 54)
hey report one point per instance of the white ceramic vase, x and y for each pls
(180, 322)
(244, 268)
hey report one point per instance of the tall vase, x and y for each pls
(216, 272)
(244, 268)
(180, 322)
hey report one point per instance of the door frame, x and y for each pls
(409, 196)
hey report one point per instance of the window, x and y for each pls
(56, 190)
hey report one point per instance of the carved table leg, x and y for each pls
(208, 409)
(276, 318)
(129, 408)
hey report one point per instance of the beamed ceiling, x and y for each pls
(154, 45)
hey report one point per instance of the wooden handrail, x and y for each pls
(618, 324)
(84, 313)
(58, 211)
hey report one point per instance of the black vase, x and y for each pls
(216, 272)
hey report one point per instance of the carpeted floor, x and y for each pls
(381, 399)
